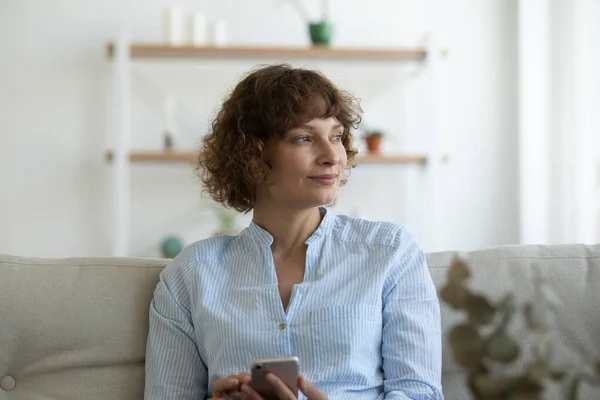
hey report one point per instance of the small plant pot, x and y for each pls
(374, 144)
(320, 33)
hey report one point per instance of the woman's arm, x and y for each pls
(412, 351)
(174, 369)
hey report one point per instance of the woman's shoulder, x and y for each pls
(215, 247)
(196, 253)
(367, 231)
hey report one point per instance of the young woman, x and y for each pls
(351, 298)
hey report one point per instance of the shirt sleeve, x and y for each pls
(412, 348)
(174, 369)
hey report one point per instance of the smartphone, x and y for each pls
(286, 368)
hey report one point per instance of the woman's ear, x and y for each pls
(264, 152)
(269, 167)
(265, 158)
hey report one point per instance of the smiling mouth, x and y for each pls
(325, 179)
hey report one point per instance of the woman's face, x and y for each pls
(306, 166)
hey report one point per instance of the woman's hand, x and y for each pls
(284, 392)
(230, 388)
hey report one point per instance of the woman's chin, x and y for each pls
(313, 198)
(326, 198)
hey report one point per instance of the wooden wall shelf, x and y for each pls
(191, 157)
(140, 51)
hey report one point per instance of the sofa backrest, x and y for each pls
(73, 329)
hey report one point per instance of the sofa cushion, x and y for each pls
(74, 329)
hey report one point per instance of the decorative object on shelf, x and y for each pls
(374, 139)
(168, 142)
(227, 219)
(320, 30)
(198, 30)
(218, 37)
(173, 26)
(171, 246)
(170, 108)
(485, 348)
(320, 33)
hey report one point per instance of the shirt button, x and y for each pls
(281, 327)
(7, 383)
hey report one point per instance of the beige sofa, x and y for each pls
(75, 329)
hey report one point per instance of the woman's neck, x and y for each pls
(290, 228)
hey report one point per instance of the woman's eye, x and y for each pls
(302, 139)
(337, 138)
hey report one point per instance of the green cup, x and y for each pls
(320, 33)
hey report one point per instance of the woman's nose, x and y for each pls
(329, 154)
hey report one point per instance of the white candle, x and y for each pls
(173, 26)
(198, 30)
(219, 33)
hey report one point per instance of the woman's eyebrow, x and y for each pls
(308, 127)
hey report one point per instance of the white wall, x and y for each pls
(595, 94)
(55, 83)
(559, 123)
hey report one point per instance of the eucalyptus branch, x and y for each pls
(486, 356)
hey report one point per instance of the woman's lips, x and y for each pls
(325, 179)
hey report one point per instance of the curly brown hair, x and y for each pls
(266, 104)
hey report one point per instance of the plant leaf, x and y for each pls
(501, 347)
(480, 311)
(455, 295)
(459, 271)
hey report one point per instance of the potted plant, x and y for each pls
(227, 220)
(500, 363)
(374, 139)
(320, 30)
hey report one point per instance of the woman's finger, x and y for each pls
(250, 393)
(223, 385)
(282, 390)
(245, 378)
(309, 390)
(237, 395)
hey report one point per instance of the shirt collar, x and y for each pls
(262, 237)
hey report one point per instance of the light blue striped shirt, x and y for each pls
(365, 322)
